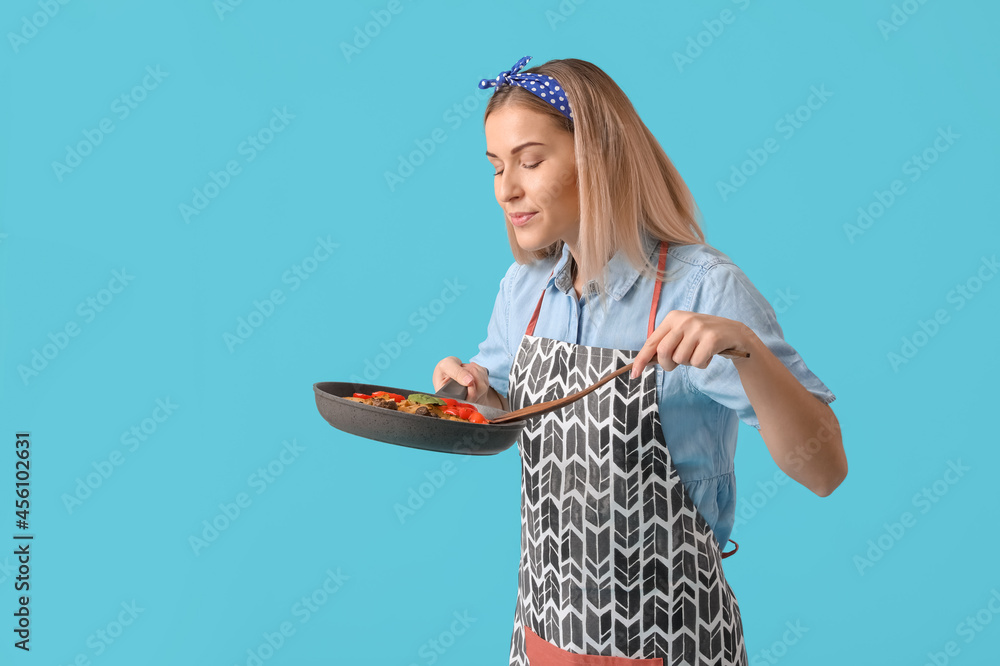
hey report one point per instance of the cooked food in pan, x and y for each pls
(422, 404)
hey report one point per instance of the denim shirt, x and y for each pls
(699, 408)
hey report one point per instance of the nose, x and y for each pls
(508, 186)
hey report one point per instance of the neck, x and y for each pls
(577, 280)
(575, 264)
(572, 248)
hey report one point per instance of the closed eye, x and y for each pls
(526, 166)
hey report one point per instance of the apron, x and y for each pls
(617, 565)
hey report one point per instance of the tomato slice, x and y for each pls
(361, 395)
(466, 413)
(386, 394)
(451, 402)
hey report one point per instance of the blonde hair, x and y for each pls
(628, 186)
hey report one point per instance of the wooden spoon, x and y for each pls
(552, 405)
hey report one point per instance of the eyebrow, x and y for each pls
(515, 151)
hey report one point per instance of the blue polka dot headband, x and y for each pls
(544, 87)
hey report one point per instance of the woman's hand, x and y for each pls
(691, 338)
(471, 375)
(801, 432)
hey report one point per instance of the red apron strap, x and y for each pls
(542, 653)
(538, 308)
(652, 326)
(656, 289)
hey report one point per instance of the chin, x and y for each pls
(531, 242)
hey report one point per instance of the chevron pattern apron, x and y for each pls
(616, 561)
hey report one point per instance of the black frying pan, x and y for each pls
(419, 432)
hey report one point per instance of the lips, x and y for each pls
(520, 219)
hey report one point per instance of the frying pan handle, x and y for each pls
(452, 389)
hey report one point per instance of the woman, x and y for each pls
(628, 495)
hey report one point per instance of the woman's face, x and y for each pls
(536, 175)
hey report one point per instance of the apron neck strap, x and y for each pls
(656, 289)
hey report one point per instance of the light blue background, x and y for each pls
(332, 507)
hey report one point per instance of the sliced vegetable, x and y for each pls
(424, 399)
(424, 404)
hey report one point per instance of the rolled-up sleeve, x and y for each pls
(725, 291)
(495, 351)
